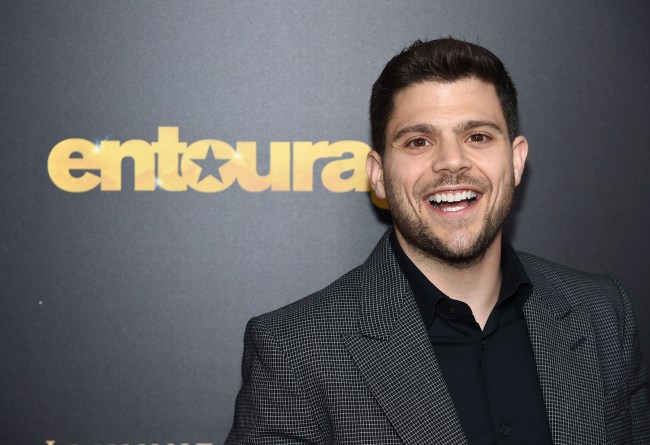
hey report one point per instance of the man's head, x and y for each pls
(443, 60)
(446, 156)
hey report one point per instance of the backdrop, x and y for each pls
(171, 169)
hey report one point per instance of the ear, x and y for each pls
(375, 172)
(519, 153)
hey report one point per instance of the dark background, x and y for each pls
(122, 313)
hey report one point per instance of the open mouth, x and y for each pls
(453, 201)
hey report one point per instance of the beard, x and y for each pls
(458, 252)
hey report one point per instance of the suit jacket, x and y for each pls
(354, 364)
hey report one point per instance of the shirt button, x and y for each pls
(451, 309)
(484, 346)
(505, 429)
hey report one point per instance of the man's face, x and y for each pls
(448, 170)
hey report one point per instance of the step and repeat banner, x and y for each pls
(171, 169)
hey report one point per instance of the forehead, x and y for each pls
(443, 103)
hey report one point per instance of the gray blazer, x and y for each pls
(353, 363)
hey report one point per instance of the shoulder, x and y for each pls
(563, 276)
(321, 319)
(600, 294)
(333, 309)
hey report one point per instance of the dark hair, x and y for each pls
(442, 60)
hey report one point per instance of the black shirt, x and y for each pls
(490, 373)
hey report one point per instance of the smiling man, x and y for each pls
(448, 171)
(446, 334)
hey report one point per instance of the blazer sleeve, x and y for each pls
(271, 407)
(638, 383)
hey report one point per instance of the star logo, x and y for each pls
(211, 165)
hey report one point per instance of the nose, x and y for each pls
(450, 156)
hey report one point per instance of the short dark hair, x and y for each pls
(443, 60)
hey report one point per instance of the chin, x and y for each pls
(460, 252)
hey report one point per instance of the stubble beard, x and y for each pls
(457, 253)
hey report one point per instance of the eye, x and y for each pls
(417, 143)
(478, 138)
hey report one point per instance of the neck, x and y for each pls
(477, 284)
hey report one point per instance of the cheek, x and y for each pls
(411, 172)
(401, 175)
(500, 180)
(505, 186)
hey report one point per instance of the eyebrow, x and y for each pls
(470, 125)
(417, 128)
(434, 130)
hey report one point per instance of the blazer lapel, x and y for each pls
(565, 352)
(395, 357)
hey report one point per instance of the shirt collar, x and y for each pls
(514, 280)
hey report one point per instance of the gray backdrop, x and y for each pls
(122, 313)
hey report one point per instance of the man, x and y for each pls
(446, 335)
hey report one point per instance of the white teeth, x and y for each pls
(452, 197)
(454, 209)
